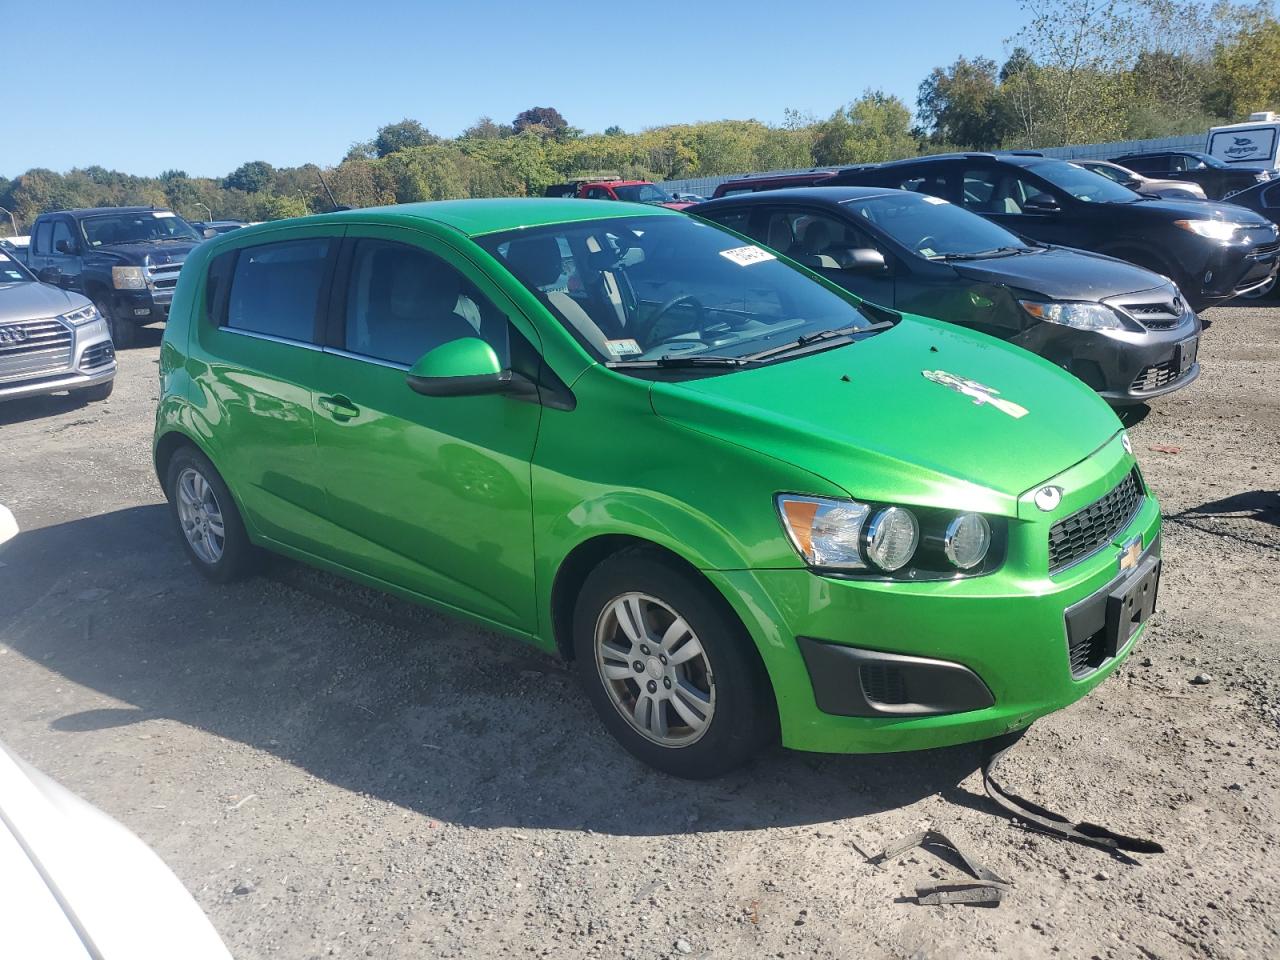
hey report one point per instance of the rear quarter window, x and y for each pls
(275, 288)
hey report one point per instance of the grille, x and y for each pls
(1265, 248)
(33, 348)
(164, 276)
(1155, 376)
(99, 355)
(1087, 653)
(882, 683)
(1156, 310)
(1081, 534)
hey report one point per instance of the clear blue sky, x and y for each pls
(203, 86)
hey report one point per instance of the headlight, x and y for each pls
(1082, 316)
(827, 533)
(1213, 229)
(78, 318)
(967, 540)
(891, 538)
(128, 278)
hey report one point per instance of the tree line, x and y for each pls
(1079, 71)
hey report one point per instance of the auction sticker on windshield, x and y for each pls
(745, 256)
(623, 348)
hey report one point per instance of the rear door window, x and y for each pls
(42, 242)
(275, 288)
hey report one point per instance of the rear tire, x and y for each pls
(671, 672)
(208, 521)
(123, 333)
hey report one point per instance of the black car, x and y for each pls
(1264, 200)
(1123, 330)
(125, 259)
(1219, 180)
(1212, 251)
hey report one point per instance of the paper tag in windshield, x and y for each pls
(159, 214)
(623, 348)
(930, 199)
(746, 256)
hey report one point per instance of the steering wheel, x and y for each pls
(653, 337)
(923, 242)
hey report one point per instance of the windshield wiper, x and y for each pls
(694, 360)
(844, 334)
(983, 254)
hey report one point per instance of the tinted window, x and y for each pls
(932, 227)
(62, 232)
(934, 184)
(1158, 164)
(739, 220)
(1083, 184)
(403, 302)
(1004, 190)
(136, 228)
(598, 193)
(42, 241)
(818, 240)
(275, 288)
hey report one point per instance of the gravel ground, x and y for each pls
(333, 772)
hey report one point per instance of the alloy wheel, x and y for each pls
(655, 670)
(200, 515)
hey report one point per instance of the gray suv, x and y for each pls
(51, 340)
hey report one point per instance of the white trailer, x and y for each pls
(1255, 143)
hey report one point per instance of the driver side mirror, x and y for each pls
(47, 275)
(64, 246)
(864, 260)
(1041, 203)
(209, 232)
(466, 367)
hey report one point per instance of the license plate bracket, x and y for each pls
(1131, 604)
(1186, 353)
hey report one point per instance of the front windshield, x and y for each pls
(1084, 184)
(11, 271)
(932, 227)
(667, 288)
(1207, 160)
(1102, 170)
(136, 228)
(642, 193)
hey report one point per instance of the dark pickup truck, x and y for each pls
(125, 259)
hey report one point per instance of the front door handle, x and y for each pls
(339, 407)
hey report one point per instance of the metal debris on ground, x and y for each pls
(988, 887)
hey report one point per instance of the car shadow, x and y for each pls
(383, 696)
(1260, 505)
(1133, 414)
(37, 408)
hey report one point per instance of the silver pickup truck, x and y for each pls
(51, 340)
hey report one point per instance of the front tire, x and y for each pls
(123, 333)
(98, 392)
(208, 522)
(671, 672)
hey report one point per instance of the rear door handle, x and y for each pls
(339, 407)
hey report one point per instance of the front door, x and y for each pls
(430, 494)
(1010, 197)
(65, 255)
(826, 244)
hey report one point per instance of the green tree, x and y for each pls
(486, 129)
(873, 128)
(401, 136)
(1246, 68)
(961, 105)
(250, 177)
(546, 118)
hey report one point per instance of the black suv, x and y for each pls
(1219, 180)
(1212, 251)
(1119, 328)
(125, 259)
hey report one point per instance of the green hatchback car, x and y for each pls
(747, 505)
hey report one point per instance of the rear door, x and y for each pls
(256, 353)
(430, 494)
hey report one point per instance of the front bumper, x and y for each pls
(93, 362)
(1008, 630)
(141, 306)
(1124, 366)
(1237, 268)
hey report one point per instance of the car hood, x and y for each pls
(36, 301)
(873, 418)
(122, 900)
(1060, 273)
(1202, 210)
(160, 251)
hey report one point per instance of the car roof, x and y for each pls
(830, 196)
(85, 211)
(1027, 159)
(476, 218)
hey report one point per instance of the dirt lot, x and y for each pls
(336, 773)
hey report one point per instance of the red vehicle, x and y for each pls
(614, 188)
(753, 183)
